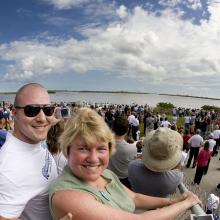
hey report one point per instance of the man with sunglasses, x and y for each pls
(26, 168)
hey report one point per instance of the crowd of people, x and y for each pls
(93, 160)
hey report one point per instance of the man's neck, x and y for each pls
(120, 137)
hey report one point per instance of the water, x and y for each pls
(122, 98)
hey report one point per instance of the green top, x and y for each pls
(114, 196)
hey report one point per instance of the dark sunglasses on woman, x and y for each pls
(33, 110)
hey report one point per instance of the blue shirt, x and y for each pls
(3, 134)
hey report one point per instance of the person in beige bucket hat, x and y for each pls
(158, 173)
(162, 149)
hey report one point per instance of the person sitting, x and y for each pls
(158, 174)
(88, 190)
(125, 152)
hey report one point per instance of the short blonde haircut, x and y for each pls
(88, 125)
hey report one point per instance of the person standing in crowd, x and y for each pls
(26, 168)
(212, 144)
(131, 118)
(187, 120)
(186, 137)
(203, 127)
(54, 146)
(90, 191)
(125, 152)
(216, 137)
(158, 174)
(134, 127)
(195, 142)
(109, 117)
(149, 121)
(202, 162)
(174, 119)
(165, 123)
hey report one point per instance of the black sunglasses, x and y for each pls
(33, 110)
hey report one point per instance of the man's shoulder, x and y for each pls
(125, 146)
(137, 164)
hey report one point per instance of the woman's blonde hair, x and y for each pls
(88, 125)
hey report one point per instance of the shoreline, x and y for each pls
(120, 92)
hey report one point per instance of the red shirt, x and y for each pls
(203, 158)
(186, 137)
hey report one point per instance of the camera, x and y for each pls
(62, 112)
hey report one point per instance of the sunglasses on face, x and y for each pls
(33, 110)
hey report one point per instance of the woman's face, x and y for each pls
(88, 162)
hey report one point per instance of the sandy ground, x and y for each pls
(211, 179)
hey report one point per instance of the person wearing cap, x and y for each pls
(158, 174)
(88, 190)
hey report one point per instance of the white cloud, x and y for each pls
(170, 3)
(122, 11)
(157, 49)
(195, 4)
(66, 4)
(192, 4)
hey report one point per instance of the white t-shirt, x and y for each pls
(26, 172)
(216, 134)
(212, 143)
(130, 119)
(165, 124)
(196, 141)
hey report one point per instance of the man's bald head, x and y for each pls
(23, 89)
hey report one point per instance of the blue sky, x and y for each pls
(161, 46)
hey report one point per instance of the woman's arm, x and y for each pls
(149, 202)
(83, 206)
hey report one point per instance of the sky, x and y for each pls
(156, 46)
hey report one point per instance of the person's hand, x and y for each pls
(191, 199)
(69, 216)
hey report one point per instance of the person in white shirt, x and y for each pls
(216, 137)
(165, 123)
(212, 144)
(196, 141)
(131, 117)
(27, 168)
(134, 126)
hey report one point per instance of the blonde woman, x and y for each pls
(88, 190)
